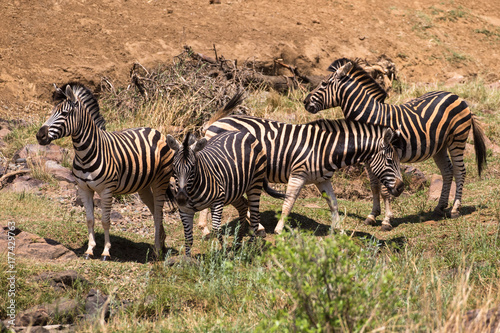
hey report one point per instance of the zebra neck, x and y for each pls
(87, 139)
(352, 145)
(362, 107)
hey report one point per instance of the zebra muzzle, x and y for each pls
(43, 135)
(312, 108)
(398, 188)
(182, 197)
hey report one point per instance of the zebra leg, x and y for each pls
(187, 223)
(444, 164)
(216, 220)
(294, 185)
(106, 201)
(459, 172)
(376, 189)
(202, 222)
(328, 194)
(242, 206)
(254, 209)
(87, 196)
(386, 222)
(155, 203)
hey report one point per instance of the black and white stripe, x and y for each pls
(432, 125)
(124, 162)
(310, 154)
(213, 174)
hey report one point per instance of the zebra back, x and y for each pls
(310, 151)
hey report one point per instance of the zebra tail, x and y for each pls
(479, 145)
(226, 110)
(272, 192)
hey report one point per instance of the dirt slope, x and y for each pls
(53, 41)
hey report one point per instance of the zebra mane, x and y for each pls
(185, 145)
(371, 85)
(86, 97)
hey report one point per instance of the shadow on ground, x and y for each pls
(300, 222)
(123, 250)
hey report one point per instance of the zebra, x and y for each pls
(307, 154)
(124, 162)
(432, 125)
(216, 173)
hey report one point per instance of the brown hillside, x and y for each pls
(48, 41)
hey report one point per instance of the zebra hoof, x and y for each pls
(455, 215)
(87, 256)
(386, 227)
(261, 233)
(370, 221)
(105, 258)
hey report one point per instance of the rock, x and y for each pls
(114, 215)
(495, 85)
(61, 280)
(454, 80)
(25, 184)
(437, 185)
(417, 177)
(35, 247)
(49, 152)
(59, 172)
(482, 321)
(4, 131)
(95, 304)
(64, 309)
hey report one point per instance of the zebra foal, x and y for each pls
(213, 174)
(310, 154)
(436, 125)
(124, 162)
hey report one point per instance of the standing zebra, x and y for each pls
(306, 154)
(431, 126)
(129, 161)
(216, 173)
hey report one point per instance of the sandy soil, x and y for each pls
(53, 41)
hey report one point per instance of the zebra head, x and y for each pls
(70, 103)
(349, 81)
(385, 164)
(324, 96)
(184, 164)
(56, 126)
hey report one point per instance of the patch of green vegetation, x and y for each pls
(422, 22)
(454, 15)
(455, 57)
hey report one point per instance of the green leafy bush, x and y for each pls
(332, 284)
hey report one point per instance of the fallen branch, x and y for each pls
(13, 173)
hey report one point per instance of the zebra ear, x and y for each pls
(342, 71)
(200, 144)
(388, 136)
(59, 90)
(172, 143)
(69, 94)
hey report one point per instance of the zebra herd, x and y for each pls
(240, 155)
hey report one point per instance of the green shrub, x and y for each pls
(332, 284)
